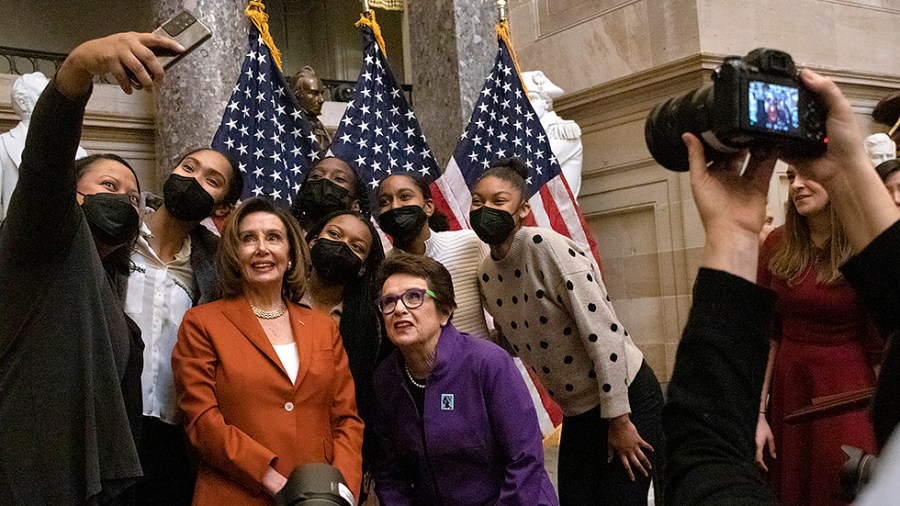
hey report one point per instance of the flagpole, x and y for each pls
(501, 9)
(365, 5)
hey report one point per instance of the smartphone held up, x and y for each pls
(184, 29)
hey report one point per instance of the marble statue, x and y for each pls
(564, 135)
(880, 148)
(24, 94)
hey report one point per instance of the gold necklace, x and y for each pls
(270, 314)
(411, 379)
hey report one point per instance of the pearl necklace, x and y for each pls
(410, 376)
(270, 314)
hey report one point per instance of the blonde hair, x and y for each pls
(228, 262)
(795, 254)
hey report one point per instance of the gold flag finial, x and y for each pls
(501, 9)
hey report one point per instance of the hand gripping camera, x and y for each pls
(757, 100)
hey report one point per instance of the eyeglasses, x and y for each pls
(412, 298)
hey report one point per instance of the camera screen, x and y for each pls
(773, 107)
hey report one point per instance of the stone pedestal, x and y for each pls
(197, 89)
(453, 49)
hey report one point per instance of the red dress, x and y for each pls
(825, 337)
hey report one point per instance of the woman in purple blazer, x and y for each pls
(459, 425)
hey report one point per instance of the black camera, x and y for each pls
(315, 484)
(755, 100)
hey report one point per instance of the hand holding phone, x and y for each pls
(185, 29)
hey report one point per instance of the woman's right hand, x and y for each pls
(120, 54)
(764, 438)
(273, 481)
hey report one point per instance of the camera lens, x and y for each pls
(670, 119)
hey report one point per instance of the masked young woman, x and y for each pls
(406, 211)
(70, 360)
(549, 302)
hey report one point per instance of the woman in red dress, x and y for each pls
(818, 348)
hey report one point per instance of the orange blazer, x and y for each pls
(243, 414)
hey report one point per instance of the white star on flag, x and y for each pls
(379, 121)
(282, 145)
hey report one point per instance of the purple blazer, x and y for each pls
(480, 442)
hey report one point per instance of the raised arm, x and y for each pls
(710, 417)
(42, 212)
(857, 193)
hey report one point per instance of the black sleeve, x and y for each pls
(875, 274)
(43, 214)
(711, 412)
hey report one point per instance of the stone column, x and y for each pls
(197, 89)
(453, 48)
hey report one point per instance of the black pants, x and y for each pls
(585, 478)
(169, 474)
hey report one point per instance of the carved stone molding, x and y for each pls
(639, 92)
(114, 122)
(109, 110)
(620, 107)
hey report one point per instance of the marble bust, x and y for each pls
(880, 148)
(24, 94)
(564, 135)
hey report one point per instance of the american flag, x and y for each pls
(264, 130)
(504, 124)
(379, 134)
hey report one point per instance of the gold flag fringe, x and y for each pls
(368, 19)
(504, 33)
(256, 11)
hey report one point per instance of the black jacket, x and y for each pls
(69, 364)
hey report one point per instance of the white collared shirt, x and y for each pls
(159, 293)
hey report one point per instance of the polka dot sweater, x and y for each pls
(547, 298)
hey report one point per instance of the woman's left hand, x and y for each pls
(625, 442)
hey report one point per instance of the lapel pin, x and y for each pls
(446, 402)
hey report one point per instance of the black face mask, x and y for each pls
(491, 225)
(334, 260)
(403, 223)
(186, 199)
(112, 218)
(320, 197)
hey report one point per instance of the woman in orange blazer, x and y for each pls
(264, 383)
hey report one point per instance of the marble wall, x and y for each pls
(616, 59)
(453, 50)
(191, 102)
